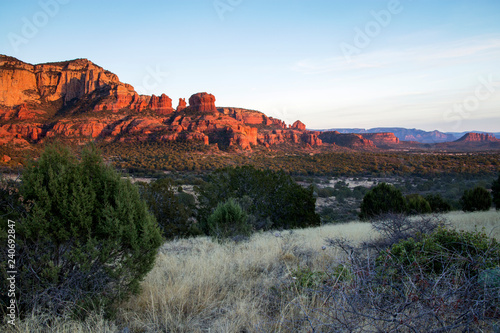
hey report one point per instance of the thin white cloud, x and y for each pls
(465, 50)
(371, 60)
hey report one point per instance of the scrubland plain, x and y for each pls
(198, 285)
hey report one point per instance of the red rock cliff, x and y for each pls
(35, 99)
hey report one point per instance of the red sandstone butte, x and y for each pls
(202, 102)
(299, 125)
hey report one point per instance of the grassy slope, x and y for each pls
(201, 286)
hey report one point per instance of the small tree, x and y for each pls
(171, 210)
(495, 191)
(416, 204)
(229, 220)
(476, 199)
(273, 199)
(397, 227)
(438, 204)
(85, 238)
(382, 199)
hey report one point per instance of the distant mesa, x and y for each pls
(404, 134)
(350, 140)
(383, 138)
(478, 137)
(472, 142)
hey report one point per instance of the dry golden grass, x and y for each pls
(489, 220)
(201, 286)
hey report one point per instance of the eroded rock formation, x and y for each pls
(202, 102)
(78, 100)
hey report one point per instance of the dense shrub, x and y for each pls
(476, 199)
(171, 210)
(416, 204)
(437, 203)
(272, 199)
(84, 237)
(229, 221)
(382, 199)
(325, 192)
(445, 281)
(397, 227)
(495, 191)
(468, 252)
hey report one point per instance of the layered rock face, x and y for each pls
(71, 81)
(18, 83)
(34, 98)
(24, 83)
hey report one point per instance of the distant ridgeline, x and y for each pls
(406, 134)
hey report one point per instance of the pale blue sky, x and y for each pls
(409, 63)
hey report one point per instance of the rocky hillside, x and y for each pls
(79, 101)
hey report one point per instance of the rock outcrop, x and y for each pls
(69, 83)
(28, 132)
(202, 102)
(65, 81)
(162, 105)
(298, 125)
(182, 105)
